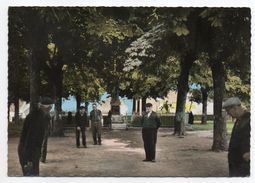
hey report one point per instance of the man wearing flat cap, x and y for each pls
(150, 125)
(80, 124)
(96, 119)
(239, 145)
(32, 136)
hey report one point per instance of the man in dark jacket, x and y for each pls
(80, 127)
(239, 145)
(150, 125)
(96, 119)
(32, 135)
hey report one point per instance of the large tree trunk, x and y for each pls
(87, 106)
(8, 110)
(204, 103)
(134, 105)
(34, 80)
(143, 104)
(183, 89)
(58, 129)
(78, 102)
(219, 128)
(16, 106)
(138, 106)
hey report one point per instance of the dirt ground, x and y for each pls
(121, 155)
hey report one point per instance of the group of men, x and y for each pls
(32, 146)
(81, 119)
(34, 136)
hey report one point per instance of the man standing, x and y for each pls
(96, 124)
(32, 136)
(239, 145)
(80, 121)
(150, 125)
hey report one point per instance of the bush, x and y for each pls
(198, 117)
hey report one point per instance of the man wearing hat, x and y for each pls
(80, 121)
(150, 125)
(96, 124)
(32, 136)
(239, 145)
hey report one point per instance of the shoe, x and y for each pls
(153, 161)
(78, 146)
(95, 143)
(43, 161)
(146, 160)
(85, 146)
(99, 143)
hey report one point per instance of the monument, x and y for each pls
(117, 120)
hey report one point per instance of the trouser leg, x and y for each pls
(145, 143)
(94, 134)
(21, 159)
(99, 134)
(83, 136)
(153, 143)
(44, 149)
(77, 138)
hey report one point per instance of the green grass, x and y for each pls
(209, 126)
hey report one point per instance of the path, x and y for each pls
(122, 153)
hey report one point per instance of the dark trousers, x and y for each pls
(44, 148)
(149, 139)
(83, 135)
(96, 133)
(29, 171)
(238, 169)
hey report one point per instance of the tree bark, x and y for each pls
(34, 80)
(219, 128)
(87, 106)
(16, 106)
(134, 105)
(138, 106)
(143, 104)
(183, 89)
(78, 101)
(58, 129)
(8, 110)
(204, 103)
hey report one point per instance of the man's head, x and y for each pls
(148, 107)
(94, 105)
(82, 109)
(233, 107)
(45, 104)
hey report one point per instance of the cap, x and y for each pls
(46, 101)
(148, 105)
(82, 107)
(233, 101)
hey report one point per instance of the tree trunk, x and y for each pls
(143, 104)
(78, 102)
(16, 106)
(134, 105)
(204, 103)
(34, 80)
(8, 110)
(219, 128)
(183, 89)
(138, 106)
(87, 106)
(58, 129)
